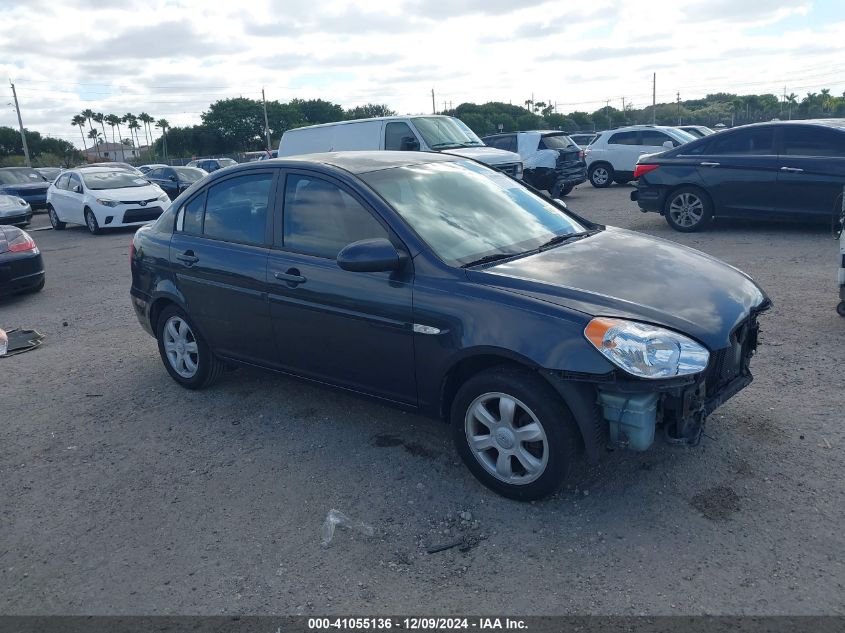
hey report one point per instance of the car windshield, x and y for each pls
(441, 132)
(189, 174)
(19, 176)
(557, 141)
(685, 136)
(465, 211)
(112, 180)
(226, 162)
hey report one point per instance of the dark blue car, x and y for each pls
(26, 183)
(443, 286)
(777, 170)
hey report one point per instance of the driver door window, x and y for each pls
(399, 136)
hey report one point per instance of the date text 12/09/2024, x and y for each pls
(415, 623)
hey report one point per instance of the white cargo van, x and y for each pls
(429, 133)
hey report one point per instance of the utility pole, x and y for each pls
(654, 99)
(433, 107)
(20, 124)
(679, 107)
(623, 105)
(607, 110)
(266, 124)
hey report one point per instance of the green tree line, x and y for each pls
(725, 108)
(44, 150)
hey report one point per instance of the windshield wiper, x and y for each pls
(447, 145)
(557, 240)
(489, 258)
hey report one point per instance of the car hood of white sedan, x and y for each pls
(128, 194)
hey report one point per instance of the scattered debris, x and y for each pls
(335, 518)
(717, 503)
(20, 341)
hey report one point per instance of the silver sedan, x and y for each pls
(14, 210)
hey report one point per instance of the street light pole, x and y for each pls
(266, 124)
(20, 124)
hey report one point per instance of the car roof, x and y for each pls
(834, 123)
(99, 170)
(395, 117)
(353, 162)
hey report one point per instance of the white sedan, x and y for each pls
(103, 197)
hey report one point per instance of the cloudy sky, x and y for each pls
(172, 58)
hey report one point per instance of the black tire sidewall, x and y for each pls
(58, 225)
(706, 217)
(96, 229)
(551, 411)
(593, 169)
(205, 359)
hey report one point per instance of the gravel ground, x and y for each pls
(124, 494)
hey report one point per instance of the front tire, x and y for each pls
(600, 175)
(91, 223)
(514, 433)
(688, 209)
(185, 354)
(57, 224)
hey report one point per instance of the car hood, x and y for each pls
(128, 194)
(625, 274)
(26, 188)
(489, 155)
(11, 203)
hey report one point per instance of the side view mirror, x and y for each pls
(369, 256)
(77, 189)
(668, 144)
(410, 144)
(561, 203)
(172, 178)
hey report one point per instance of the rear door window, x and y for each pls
(810, 141)
(623, 138)
(751, 142)
(236, 209)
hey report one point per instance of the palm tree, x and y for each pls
(99, 118)
(130, 118)
(826, 100)
(94, 135)
(791, 100)
(135, 126)
(88, 113)
(146, 119)
(163, 124)
(114, 120)
(80, 121)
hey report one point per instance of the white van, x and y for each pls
(429, 133)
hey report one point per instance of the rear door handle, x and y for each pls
(708, 164)
(793, 170)
(188, 258)
(292, 277)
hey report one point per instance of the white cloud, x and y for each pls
(172, 58)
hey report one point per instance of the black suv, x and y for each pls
(784, 169)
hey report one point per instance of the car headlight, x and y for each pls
(644, 350)
(164, 197)
(107, 203)
(22, 202)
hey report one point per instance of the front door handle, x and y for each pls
(188, 258)
(708, 164)
(792, 170)
(292, 277)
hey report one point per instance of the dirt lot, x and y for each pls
(123, 493)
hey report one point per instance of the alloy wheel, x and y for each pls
(506, 438)
(180, 346)
(686, 210)
(600, 175)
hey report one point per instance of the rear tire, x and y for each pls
(184, 352)
(514, 433)
(688, 209)
(91, 222)
(57, 224)
(600, 175)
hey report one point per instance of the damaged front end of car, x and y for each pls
(629, 410)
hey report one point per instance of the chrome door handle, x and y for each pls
(188, 258)
(793, 170)
(708, 164)
(292, 277)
